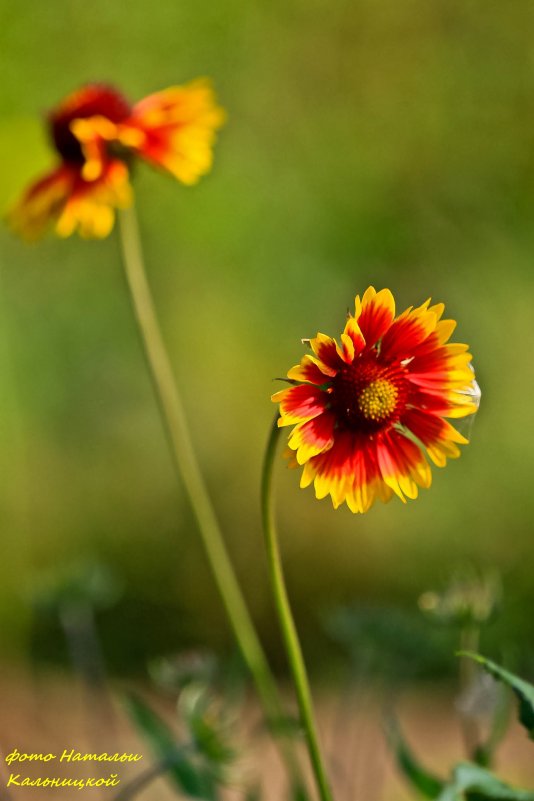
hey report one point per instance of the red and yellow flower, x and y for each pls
(366, 409)
(97, 134)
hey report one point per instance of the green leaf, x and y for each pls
(522, 689)
(191, 779)
(427, 784)
(205, 725)
(483, 755)
(299, 793)
(472, 782)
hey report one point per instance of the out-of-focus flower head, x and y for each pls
(189, 667)
(471, 597)
(366, 410)
(97, 134)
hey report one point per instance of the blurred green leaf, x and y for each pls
(83, 582)
(177, 671)
(299, 793)
(472, 782)
(204, 725)
(522, 689)
(387, 642)
(193, 780)
(427, 784)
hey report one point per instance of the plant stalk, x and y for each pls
(185, 462)
(287, 623)
(469, 641)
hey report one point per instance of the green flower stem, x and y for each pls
(469, 641)
(187, 467)
(287, 623)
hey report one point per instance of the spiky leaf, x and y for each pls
(189, 778)
(474, 783)
(522, 689)
(424, 781)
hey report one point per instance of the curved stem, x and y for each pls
(287, 623)
(187, 467)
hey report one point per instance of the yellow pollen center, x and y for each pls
(378, 400)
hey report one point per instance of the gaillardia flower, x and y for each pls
(97, 134)
(366, 409)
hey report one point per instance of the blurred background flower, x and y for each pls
(96, 133)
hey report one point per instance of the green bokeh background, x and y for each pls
(386, 143)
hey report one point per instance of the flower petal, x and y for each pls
(439, 437)
(300, 403)
(402, 464)
(408, 331)
(352, 330)
(328, 352)
(66, 201)
(41, 203)
(311, 370)
(313, 437)
(374, 314)
(90, 208)
(179, 126)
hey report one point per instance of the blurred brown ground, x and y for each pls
(49, 713)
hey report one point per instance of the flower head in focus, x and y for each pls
(366, 410)
(97, 134)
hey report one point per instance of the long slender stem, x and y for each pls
(287, 623)
(469, 641)
(187, 467)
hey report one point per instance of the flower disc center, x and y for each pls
(89, 101)
(367, 396)
(377, 401)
